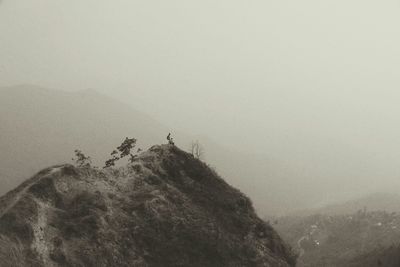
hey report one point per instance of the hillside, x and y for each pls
(386, 257)
(359, 239)
(164, 209)
(373, 202)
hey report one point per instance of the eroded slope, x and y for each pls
(165, 209)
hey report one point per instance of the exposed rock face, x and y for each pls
(165, 209)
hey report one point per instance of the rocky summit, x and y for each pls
(164, 209)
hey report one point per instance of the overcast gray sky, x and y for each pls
(268, 75)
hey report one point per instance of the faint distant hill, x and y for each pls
(41, 127)
(374, 202)
(389, 202)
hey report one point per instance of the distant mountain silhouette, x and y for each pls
(41, 127)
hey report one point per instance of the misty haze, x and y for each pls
(200, 133)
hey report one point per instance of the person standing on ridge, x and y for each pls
(170, 139)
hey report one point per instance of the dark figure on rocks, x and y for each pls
(170, 139)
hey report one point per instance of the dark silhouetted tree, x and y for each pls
(124, 150)
(126, 147)
(111, 162)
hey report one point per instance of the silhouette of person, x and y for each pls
(170, 139)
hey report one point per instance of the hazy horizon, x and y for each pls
(311, 84)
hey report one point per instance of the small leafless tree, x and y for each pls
(197, 150)
(82, 160)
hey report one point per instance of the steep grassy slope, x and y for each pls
(165, 209)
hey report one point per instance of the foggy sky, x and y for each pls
(292, 79)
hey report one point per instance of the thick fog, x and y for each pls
(311, 84)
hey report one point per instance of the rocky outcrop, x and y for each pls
(165, 209)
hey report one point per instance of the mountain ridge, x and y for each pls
(39, 125)
(380, 201)
(165, 209)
